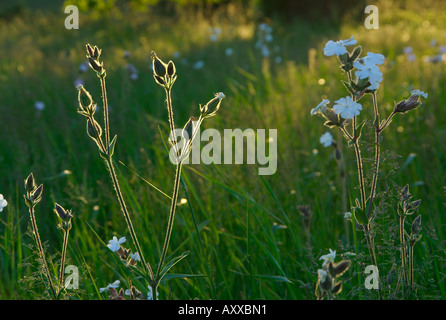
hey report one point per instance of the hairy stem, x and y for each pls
(403, 246)
(377, 154)
(62, 260)
(106, 122)
(41, 251)
(126, 214)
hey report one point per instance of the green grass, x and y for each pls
(244, 231)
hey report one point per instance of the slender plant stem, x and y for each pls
(403, 245)
(411, 264)
(377, 154)
(62, 260)
(171, 219)
(41, 251)
(127, 218)
(171, 120)
(106, 121)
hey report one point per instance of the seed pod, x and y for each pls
(416, 225)
(30, 184)
(36, 195)
(407, 105)
(159, 67)
(171, 69)
(90, 50)
(84, 98)
(211, 108)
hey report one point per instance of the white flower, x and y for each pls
(39, 105)
(213, 37)
(265, 51)
(328, 257)
(320, 107)
(111, 285)
(411, 57)
(419, 93)
(368, 68)
(338, 47)
(78, 82)
(326, 139)
(348, 215)
(114, 244)
(83, 67)
(135, 256)
(220, 95)
(198, 65)
(347, 108)
(322, 274)
(150, 294)
(134, 76)
(176, 54)
(407, 50)
(3, 202)
(229, 52)
(278, 59)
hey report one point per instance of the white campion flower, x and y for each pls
(347, 108)
(3, 202)
(39, 105)
(348, 215)
(338, 47)
(326, 139)
(229, 52)
(135, 256)
(367, 67)
(322, 274)
(220, 95)
(110, 285)
(114, 244)
(419, 93)
(328, 257)
(320, 107)
(198, 65)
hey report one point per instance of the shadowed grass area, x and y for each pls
(246, 236)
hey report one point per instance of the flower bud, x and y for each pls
(407, 105)
(171, 70)
(36, 195)
(211, 108)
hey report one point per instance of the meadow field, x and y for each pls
(248, 236)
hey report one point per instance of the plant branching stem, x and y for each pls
(41, 251)
(63, 257)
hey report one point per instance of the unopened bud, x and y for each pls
(407, 105)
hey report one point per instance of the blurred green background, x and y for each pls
(245, 233)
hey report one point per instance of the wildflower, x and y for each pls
(3, 202)
(411, 57)
(39, 105)
(328, 257)
(265, 51)
(126, 54)
(114, 244)
(215, 34)
(135, 256)
(83, 67)
(78, 82)
(278, 59)
(407, 50)
(320, 107)
(419, 93)
(326, 139)
(198, 65)
(322, 274)
(113, 285)
(176, 54)
(348, 215)
(368, 69)
(338, 47)
(229, 52)
(347, 107)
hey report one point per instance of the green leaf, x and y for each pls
(171, 263)
(112, 145)
(360, 215)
